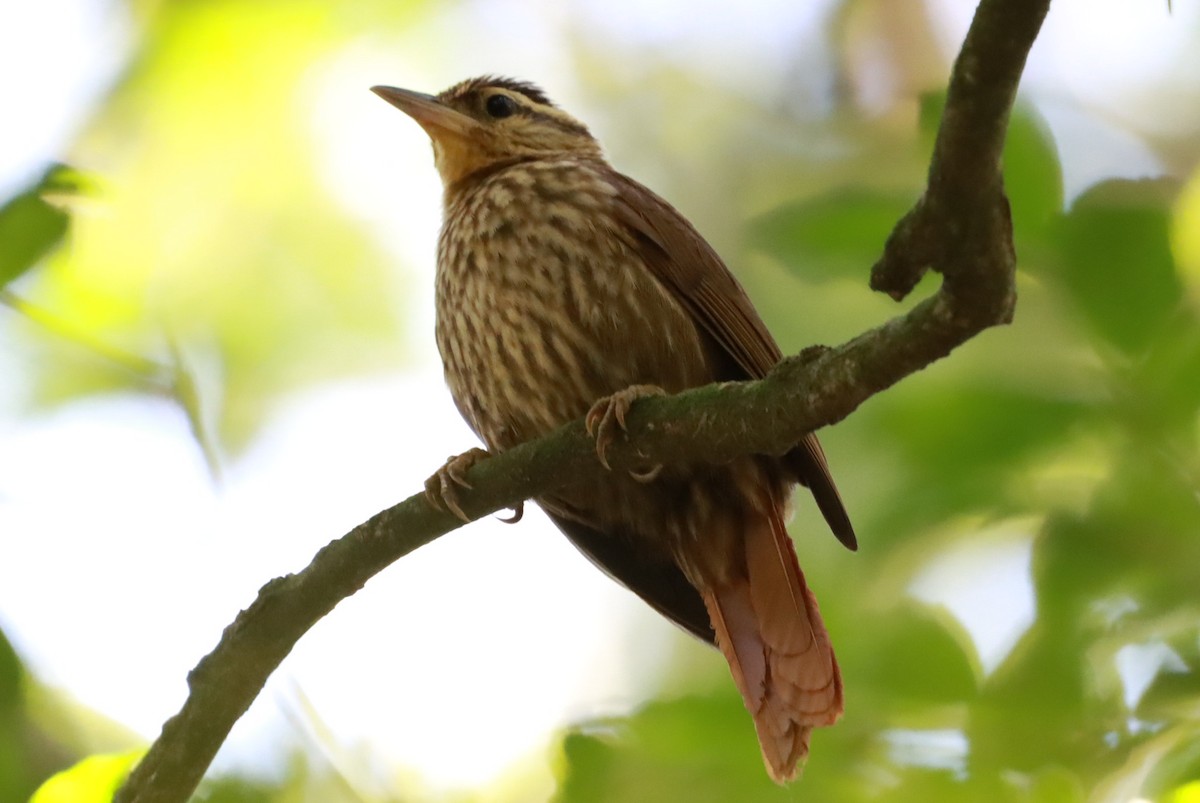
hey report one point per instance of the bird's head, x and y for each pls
(483, 121)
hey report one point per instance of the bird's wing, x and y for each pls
(687, 266)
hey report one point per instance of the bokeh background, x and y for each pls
(216, 354)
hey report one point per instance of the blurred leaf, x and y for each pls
(1057, 785)
(1079, 562)
(1172, 694)
(65, 181)
(15, 773)
(218, 225)
(998, 425)
(1188, 793)
(1116, 261)
(926, 663)
(93, 780)
(1032, 173)
(1154, 396)
(1138, 542)
(226, 789)
(832, 236)
(1134, 773)
(932, 105)
(959, 443)
(921, 784)
(30, 226)
(696, 749)
(1185, 234)
(12, 681)
(1035, 710)
(1181, 762)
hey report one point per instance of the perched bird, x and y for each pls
(565, 288)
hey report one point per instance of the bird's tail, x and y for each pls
(771, 633)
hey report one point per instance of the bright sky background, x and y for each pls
(462, 658)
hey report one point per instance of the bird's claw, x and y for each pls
(441, 490)
(518, 513)
(607, 418)
(647, 475)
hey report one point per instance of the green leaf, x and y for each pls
(30, 226)
(978, 426)
(1137, 541)
(1056, 785)
(1032, 174)
(1170, 696)
(93, 780)
(695, 749)
(926, 664)
(1034, 710)
(64, 180)
(17, 777)
(1116, 261)
(929, 115)
(1188, 793)
(12, 681)
(221, 225)
(831, 236)
(959, 445)
(1159, 400)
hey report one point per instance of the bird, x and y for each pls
(565, 289)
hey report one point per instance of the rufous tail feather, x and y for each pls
(778, 650)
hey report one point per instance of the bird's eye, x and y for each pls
(500, 106)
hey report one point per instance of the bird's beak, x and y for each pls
(435, 117)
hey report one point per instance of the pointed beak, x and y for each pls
(434, 116)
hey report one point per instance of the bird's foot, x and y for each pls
(441, 490)
(606, 420)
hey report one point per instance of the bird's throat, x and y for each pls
(456, 158)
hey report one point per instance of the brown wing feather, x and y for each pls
(685, 263)
(688, 266)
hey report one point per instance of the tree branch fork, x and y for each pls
(960, 227)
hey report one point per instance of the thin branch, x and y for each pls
(960, 226)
